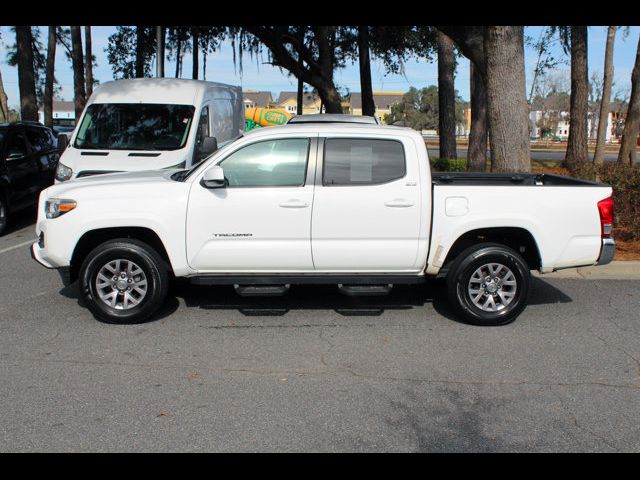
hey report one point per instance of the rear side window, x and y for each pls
(39, 139)
(350, 161)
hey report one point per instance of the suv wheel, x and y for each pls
(124, 281)
(488, 284)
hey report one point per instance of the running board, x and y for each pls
(357, 290)
(261, 290)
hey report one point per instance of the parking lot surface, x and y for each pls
(315, 370)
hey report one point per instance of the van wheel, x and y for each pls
(488, 284)
(123, 281)
(4, 214)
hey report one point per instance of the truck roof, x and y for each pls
(332, 127)
(154, 90)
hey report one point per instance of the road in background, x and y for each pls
(540, 155)
(316, 370)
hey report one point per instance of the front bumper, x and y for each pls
(36, 254)
(607, 251)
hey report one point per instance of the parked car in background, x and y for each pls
(29, 154)
(151, 124)
(320, 202)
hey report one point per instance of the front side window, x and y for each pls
(142, 126)
(202, 133)
(349, 161)
(272, 163)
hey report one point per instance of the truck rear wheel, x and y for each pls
(4, 214)
(123, 281)
(488, 284)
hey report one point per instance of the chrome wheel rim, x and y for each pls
(492, 287)
(3, 214)
(121, 284)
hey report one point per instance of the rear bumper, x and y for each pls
(607, 251)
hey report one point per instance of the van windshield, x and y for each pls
(140, 126)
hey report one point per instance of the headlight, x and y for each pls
(54, 207)
(63, 173)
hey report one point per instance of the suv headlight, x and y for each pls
(54, 207)
(63, 173)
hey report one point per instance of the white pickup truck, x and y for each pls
(323, 202)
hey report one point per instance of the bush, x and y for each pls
(625, 180)
(449, 165)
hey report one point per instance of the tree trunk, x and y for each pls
(4, 103)
(178, 58)
(139, 52)
(26, 76)
(366, 90)
(577, 146)
(605, 103)
(196, 44)
(160, 52)
(632, 122)
(506, 99)
(477, 152)
(300, 93)
(446, 97)
(49, 78)
(79, 96)
(88, 58)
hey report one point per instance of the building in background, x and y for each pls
(64, 114)
(288, 101)
(257, 99)
(383, 102)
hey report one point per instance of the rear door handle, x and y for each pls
(294, 203)
(398, 203)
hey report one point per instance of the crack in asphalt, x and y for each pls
(335, 370)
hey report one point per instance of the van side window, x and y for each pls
(271, 163)
(361, 161)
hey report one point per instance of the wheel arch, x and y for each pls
(519, 239)
(93, 238)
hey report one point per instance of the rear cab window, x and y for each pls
(362, 161)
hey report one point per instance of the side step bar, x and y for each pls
(308, 279)
(261, 290)
(358, 290)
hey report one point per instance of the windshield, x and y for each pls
(141, 126)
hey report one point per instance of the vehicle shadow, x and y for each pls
(322, 297)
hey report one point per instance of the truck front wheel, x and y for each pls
(123, 281)
(488, 284)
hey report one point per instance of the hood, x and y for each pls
(121, 160)
(113, 180)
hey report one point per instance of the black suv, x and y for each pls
(29, 154)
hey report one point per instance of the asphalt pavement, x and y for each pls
(316, 370)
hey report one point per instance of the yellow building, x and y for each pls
(383, 101)
(288, 101)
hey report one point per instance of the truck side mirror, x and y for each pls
(213, 178)
(209, 145)
(63, 141)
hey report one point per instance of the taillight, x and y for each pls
(605, 208)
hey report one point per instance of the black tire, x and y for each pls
(4, 214)
(468, 262)
(153, 266)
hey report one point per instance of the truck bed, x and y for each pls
(505, 179)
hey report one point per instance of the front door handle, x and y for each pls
(294, 203)
(398, 203)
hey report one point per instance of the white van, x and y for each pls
(151, 124)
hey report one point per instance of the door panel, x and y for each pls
(262, 220)
(366, 212)
(22, 169)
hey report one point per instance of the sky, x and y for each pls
(257, 75)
